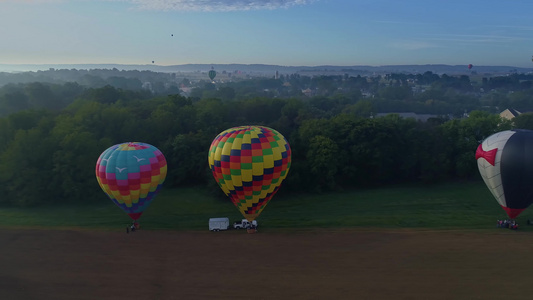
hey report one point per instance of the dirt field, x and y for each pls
(319, 264)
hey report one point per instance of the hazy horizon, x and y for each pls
(262, 69)
(270, 32)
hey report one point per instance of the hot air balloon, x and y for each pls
(505, 162)
(470, 66)
(131, 174)
(212, 73)
(249, 163)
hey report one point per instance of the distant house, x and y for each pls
(147, 86)
(510, 114)
(367, 94)
(308, 92)
(418, 89)
(185, 91)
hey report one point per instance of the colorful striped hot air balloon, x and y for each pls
(131, 174)
(505, 162)
(249, 163)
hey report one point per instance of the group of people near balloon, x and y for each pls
(249, 164)
(511, 224)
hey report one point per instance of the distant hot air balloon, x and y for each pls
(131, 174)
(505, 162)
(470, 66)
(212, 73)
(249, 163)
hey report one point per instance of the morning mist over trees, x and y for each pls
(346, 131)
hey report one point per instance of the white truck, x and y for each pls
(245, 224)
(217, 224)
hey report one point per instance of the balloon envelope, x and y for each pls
(505, 162)
(131, 174)
(249, 163)
(212, 74)
(470, 66)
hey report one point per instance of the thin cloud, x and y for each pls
(32, 1)
(524, 28)
(475, 38)
(400, 22)
(193, 5)
(413, 45)
(214, 5)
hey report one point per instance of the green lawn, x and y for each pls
(444, 206)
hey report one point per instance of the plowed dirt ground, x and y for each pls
(310, 264)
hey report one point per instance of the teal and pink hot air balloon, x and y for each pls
(131, 174)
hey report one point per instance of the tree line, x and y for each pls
(48, 153)
(426, 93)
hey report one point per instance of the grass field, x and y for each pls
(445, 206)
(401, 242)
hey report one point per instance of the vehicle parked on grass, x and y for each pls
(217, 224)
(244, 224)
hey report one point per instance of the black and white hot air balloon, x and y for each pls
(505, 161)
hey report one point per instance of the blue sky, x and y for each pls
(279, 32)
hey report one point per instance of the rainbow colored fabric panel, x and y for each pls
(131, 174)
(249, 163)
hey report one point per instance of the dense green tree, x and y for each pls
(523, 121)
(106, 94)
(187, 159)
(396, 93)
(13, 102)
(51, 134)
(226, 93)
(463, 137)
(125, 83)
(26, 168)
(363, 108)
(72, 173)
(323, 160)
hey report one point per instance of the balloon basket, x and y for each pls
(251, 230)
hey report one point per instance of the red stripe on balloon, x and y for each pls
(513, 212)
(135, 216)
(489, 156)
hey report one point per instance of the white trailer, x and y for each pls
(217, 224)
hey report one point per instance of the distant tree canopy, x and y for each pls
(51, 134)
(426, 93)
